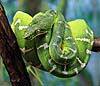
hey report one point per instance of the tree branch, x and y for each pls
(96, 45)
(11, 54)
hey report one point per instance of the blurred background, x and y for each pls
(71, 9)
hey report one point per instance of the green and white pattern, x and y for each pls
(50, 43)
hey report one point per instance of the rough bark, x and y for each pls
(11, 54)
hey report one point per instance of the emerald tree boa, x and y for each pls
(51, 44)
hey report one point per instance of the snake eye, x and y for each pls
(37, 31)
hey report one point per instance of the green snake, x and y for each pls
(50, 43)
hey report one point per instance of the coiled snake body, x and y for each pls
(48, 42)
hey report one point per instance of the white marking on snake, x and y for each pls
(45, 46)
(92, 42)
(82, 64)
(66, 26)
(54, 44)
(49, 61)
(68, 38)
(83, 39)
(61, 55)
(88, 32)
(74, 51)
(65, 72)
(22, 27)
(53, 68)
(60, 22)
(51, 14)
(65, 58)
(26, 50)
(63, 52)
(88, 51)
(59, 36)
(91, 32)
(56, 50)
(74, 43)
(55, 11)
(18, 21)
(76, 70)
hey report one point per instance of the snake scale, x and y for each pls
(51, 44)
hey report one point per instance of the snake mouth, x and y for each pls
(32, 36)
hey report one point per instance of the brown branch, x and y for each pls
(96, 45)
(11, 54)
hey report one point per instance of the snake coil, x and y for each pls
(49, 43)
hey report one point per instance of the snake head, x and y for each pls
(41, 24)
